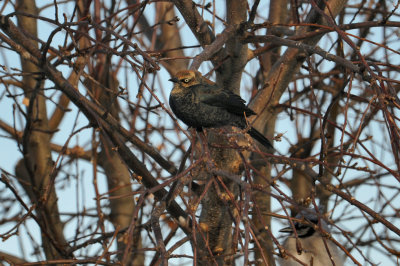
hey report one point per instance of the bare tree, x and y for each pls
(104, 172)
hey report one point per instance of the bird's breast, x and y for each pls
(184, 107)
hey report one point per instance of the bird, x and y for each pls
(313, 250)
(200, 103)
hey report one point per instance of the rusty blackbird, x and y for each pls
(200, 103)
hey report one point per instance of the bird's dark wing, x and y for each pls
(212, 95)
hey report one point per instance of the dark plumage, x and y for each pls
(200, 103)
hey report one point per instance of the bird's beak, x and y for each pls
(174, 80)
(286, 230)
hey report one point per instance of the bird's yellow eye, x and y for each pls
(185, 80)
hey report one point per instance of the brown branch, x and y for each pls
(95, 114)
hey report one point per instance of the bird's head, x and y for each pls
(304, 229)
(187, 78)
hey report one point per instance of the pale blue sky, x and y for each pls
(10, 153)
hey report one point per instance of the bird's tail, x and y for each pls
(255, 134)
